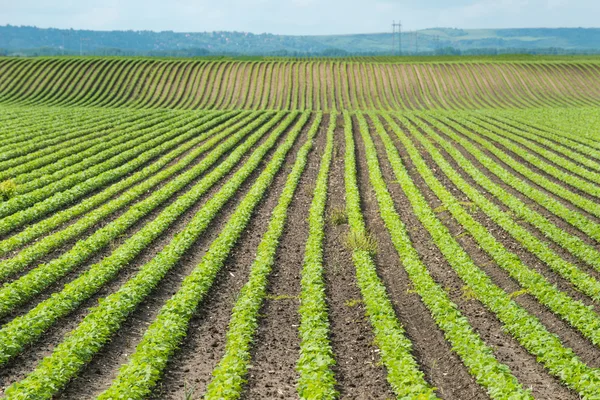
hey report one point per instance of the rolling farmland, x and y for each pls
(315, 229)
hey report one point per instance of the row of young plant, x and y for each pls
(84, 90)
(82, 96)
(47, 81)
(35, 230)
(129, 140)
(566, 180)
(16, 96)
(403, 373)
(52, 135)
(40, 202)
(577, 314)
(104, 320)
(114, 83)
(573, 217)
(479, 358)
(559, 360)
(53, 241)
(573, 174)
(20, 125)
(137, 378)
(16, 120)
(572, 243)
(569, 125)
(25, 329)
(184, 85)
(131, 143)
(199, 98)
(77, 154)
(229, 375)
(548, 137)
(574, 161)
(21, 76)
(39, 278)
(49, 73)
(25, 155)
(48, 94)
(560, 190)
(99, 82)
(62, 84)
(315, 363)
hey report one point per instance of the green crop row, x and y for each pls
(229, 375)
(317, 380)
(104, 320)
(479, 358)
(38, 229)
(525, 134)
(32, 283)
(140, 374)
(82, 152)
(403, 372)
(44, 200)
(51, 242)
(50, 161)
(571, 216)
(131, 143)
(528, 150)
(558, 189)
(572, 243)
(576, 313)
(527, 329)
(278, 84)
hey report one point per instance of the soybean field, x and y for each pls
(331, 228)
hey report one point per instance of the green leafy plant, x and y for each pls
(7, 189)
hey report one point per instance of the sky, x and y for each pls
(298, 17)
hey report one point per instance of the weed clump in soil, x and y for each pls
(7, 189)
(361, 241)
(338, 216)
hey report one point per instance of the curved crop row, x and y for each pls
(139, 83)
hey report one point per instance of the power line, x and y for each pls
(393, 37)
(416, 42)
(399, 26)
(81, 45)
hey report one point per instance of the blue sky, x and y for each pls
(298, 17)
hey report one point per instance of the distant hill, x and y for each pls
(37, 41)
